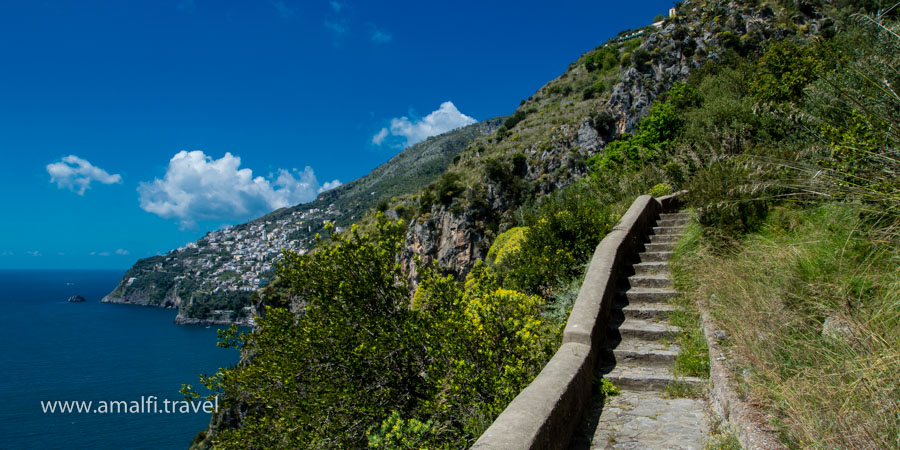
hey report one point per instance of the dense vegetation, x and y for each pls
(795, 139)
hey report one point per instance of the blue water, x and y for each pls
(54, 350)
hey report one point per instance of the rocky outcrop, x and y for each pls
(448, 240)
(685, 43)
(143, 297)
(76, 299)
(222, 318)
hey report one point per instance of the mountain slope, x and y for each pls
(546, 144)
(213, 279)
(366, 368)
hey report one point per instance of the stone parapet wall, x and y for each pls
(546, 414)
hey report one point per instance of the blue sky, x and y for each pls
(130, 128)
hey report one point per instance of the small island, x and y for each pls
(76, 299)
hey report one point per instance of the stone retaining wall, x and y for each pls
(546, 414)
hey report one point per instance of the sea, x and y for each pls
(52, 350)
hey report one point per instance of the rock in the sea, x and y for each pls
(76, 299)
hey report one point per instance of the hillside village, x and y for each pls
(224, 267)
(241, 258)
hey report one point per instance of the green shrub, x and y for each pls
(561, 236)
(358, 366)
(728, 196)
(507, 243)
(448, 187)
(659, 190)
(396, 432)
(640, 58)
(655, 135)
(784, 70)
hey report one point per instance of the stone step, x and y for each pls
(647, 420)
(647, 330)
(664, 238)
(648, 295)
(646, 378)
(643, 353)
(667, 230)
(659, 247)
(653, 256)
(671, 222)
(647, 311)
(650, 281)
(675, 216)
(651, 268)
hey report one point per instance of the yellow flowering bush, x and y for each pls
(507, 243)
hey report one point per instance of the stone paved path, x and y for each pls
(639, 358)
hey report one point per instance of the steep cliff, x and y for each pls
(546, 143)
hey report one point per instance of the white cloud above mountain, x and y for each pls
(409, 131)
(77, 174)
(198, 187)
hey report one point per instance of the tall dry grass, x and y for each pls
(811, 306)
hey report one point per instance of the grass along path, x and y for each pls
(810, 307)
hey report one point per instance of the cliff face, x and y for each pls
(449, 240)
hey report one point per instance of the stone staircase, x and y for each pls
(639, 355)
(639, 330)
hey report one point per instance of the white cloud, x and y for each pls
(380, 136)
(380, 36)
(285, 11)
(33, 253)
(336, 6)
(329, 185)
(122, 251)
(442, 120)
(77, 174)
(197, 187)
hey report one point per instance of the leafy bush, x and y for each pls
(357, 361)
(604, 59)
(659, 190)
(857, 109)
(654, 136)
(729, 192)
(507, 243)
(398, 433)
(784, 70)
(561, 235)
(493, 341)
(640, 58)
(519, 116)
